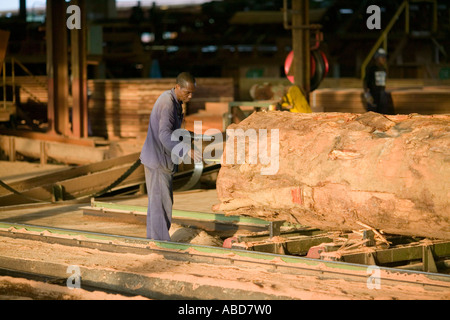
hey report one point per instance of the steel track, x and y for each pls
(220, 256)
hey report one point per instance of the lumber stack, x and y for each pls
(337, 100)
(121, 108)
(422, 100)
(44, 149)
(338, 170)
(426, 100)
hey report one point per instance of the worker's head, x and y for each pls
(185, 87)
(380, 56)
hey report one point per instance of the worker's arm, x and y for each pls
(170, 137)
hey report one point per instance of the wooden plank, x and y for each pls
(117, 105)
(52, 178)
(90, 184)
(83, 186)
(405, 101)
(62, 152)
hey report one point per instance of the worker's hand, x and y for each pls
(368, 97)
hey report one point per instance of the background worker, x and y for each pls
(374, 84)
(291, 98)
(167, 116)
(294, 100)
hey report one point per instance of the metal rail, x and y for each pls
(296, 241)
(204, 220)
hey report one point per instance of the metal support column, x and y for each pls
(79, 75)
(301, 45)
(57, 67)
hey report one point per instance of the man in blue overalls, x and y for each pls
(157, 156)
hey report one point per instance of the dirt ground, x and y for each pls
(13, 288)
(256, 280)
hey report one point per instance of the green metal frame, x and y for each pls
(215, 255)
(203, 220)
(296, 242)
(429, 255)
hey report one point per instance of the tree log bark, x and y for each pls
(337, 169)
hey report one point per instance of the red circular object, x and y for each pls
(288, 63)
(325, 61)
(313, 66)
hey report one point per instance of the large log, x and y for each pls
(337, 170)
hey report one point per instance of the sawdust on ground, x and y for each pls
(255, 279)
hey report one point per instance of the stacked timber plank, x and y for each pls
(391, 82)
(40, 146)
(422, 100)
(427, 100)
(121, 108)
(337, 100)
(211, 117)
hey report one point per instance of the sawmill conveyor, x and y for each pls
(277, 248)
(366, 246)
(155, 285)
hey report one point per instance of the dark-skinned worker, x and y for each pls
(374, 84)
(158, 157)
